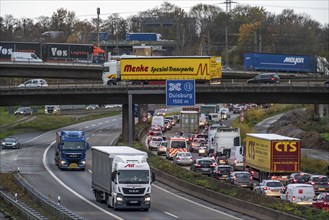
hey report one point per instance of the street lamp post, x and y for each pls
(98, 12)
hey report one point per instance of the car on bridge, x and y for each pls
(266, 78)
(33, 83)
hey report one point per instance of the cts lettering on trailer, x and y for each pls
(286, 156)
(286, 146)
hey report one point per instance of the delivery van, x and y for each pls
(236, 159)
(300, 193)
(25, 57)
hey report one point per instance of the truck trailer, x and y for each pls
(54, 52)
(288, 63)
(143, 37)
(225, 139)
(272, 156)
(157, 69)
(121, 177)
(189, 122)
(70, 150)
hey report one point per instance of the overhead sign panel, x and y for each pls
(180, 92)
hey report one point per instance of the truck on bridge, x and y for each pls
(157, 69)
(54, 52)
(121, 177)
(70, 150)
(288, 63)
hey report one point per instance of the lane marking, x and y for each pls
(44, 160)
(203, 206)
(171, 215)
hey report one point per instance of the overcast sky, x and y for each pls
(86, 9)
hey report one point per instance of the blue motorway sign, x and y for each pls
(180, 92)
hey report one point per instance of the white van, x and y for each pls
(301, 194)
(25, 57)
(158, 121)
(236, 158)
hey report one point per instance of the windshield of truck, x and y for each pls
(73, 145)
(134, 177)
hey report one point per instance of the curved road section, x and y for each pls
(35, 160)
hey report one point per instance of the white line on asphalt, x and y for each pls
(195, 202)
(171, 215)
(44, 158)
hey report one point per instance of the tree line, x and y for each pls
(203, 30)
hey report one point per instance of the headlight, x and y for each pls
(119, 199)
(83, 162)
(147, 199)
(63, 162)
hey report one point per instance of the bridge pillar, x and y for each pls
(319, 110)
(128, 122)
(125, 124)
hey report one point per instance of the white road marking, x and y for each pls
(195, 203)
(171, 215)
(44, 158)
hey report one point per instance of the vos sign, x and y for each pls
(180, 92)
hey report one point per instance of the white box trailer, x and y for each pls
(121, 177)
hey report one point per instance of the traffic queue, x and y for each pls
(220, 155)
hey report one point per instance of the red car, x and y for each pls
(321, 201)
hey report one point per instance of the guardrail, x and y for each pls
(25, 211)
(55, 209)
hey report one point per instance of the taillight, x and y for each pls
(250, 178)
(235, 161)
(266, 188)
(282, 188)
(177, 158)
(252, 173)
(234, 178)
(294, 180)
(293, 198)
(326, 203)
(196, 165)
(312, 183)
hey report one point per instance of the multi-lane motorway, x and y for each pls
(35, 161)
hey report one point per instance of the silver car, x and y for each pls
(10, 142)
(183, 158)
(155, 142)
(269, 188)
(162, 148)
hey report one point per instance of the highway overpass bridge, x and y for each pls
(301, 93)
(85, 71)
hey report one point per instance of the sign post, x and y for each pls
(180, 92)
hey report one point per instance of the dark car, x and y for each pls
(320, 183)
(326, 82)
(222, 172)
(23, 111)
(10, 142)
(299, 177)
(264, 78)
(203, 165)
(241, 178)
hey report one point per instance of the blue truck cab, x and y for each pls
(70, 150)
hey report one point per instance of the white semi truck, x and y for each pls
(225, 139)
(121, 177)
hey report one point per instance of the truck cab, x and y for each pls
(70, 150)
